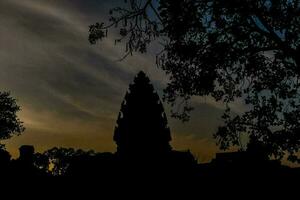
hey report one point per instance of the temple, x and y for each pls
(142, 126)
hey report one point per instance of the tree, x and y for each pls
(230, 50)
(142, 126)
(58, 160)
(10, 124)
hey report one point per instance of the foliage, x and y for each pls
(59, 159)
(10, 124)
(41, 162)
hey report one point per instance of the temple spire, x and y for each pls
(142, 126)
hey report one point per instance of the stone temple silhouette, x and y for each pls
(143, 140)
(142, 127)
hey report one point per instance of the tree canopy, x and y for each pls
(246, 50)
(10, 124)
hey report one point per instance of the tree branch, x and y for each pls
(270, 33)
(269, 28)
(156, 13)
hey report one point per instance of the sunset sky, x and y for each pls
(70, 91)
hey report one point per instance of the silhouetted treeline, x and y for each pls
(67, 162)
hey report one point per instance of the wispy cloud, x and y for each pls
(69, 89)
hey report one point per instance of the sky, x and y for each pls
(70, 91)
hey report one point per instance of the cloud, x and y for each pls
(70, 92)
